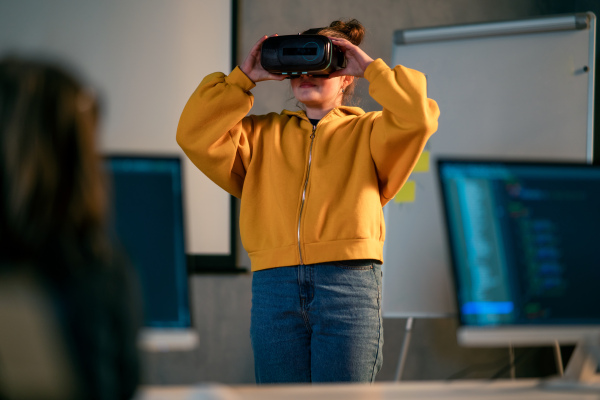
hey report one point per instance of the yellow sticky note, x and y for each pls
(407, 193)
(423, 163)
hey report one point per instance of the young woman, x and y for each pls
(53, 210)
(312, 185)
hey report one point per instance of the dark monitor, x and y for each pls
(524, 239)
(147, 220)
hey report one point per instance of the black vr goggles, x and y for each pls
(306, 54)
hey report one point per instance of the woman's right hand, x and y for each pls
(252, 67)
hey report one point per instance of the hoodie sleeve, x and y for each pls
(213, 131)
(402, 129)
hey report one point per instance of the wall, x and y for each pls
(221, 314)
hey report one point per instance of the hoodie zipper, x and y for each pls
(312, 139)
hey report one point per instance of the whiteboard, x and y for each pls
(144, 58)
(511, 90)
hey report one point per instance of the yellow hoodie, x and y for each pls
(309, 196)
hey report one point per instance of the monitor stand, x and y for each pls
(168, 339)
(582, 368)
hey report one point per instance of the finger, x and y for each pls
(271, 77)
(341, 42)
(275, 77)
(258, 44)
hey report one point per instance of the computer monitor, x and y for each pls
(524, 240)
(147, 221)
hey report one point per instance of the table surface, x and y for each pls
(421, 390)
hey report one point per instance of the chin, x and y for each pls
(306, 99)
(309, 104)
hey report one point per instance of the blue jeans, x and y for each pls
(317, 323)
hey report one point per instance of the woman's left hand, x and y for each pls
(357, 60)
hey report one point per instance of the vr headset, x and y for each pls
(302, 54)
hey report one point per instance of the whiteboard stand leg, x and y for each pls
(511, 360)
(404, 348)
(558, 359)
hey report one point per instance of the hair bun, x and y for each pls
(352, 29)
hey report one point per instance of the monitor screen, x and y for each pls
(147, 221)
(524, 240)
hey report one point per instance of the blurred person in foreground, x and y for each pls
(53, 224)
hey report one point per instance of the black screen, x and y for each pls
(147, 220)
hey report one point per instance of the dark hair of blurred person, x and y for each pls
(53, 221)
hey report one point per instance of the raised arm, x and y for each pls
(407, 121)
(213, 132)
(402, 129)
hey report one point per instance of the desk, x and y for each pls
(422, 390)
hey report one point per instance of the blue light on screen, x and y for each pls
(488, 307)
